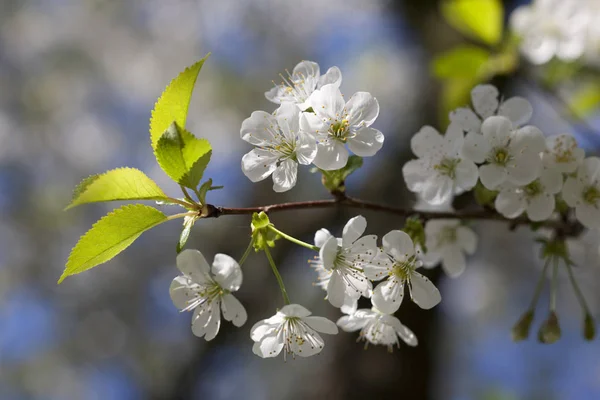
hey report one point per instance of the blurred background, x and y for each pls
(78, 79)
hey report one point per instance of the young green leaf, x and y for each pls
(460, 62)
(174, 102)
(116, 184)
(188, 224)
(111, 235)
(479, 19)
(182, 156)
(334, 181)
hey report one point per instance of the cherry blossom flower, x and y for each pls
(341, 262)
(440, 171)
(398, 263)
(562, 153)
(336, 123)
(207, 290)
(447, 242)
(292, 330)
(550, 28)
(536, 198)
(377, 328)
(302, 82)
(583, 192)
(486, 102)
(510, 155)
(280, 146)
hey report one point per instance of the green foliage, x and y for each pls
(414, 228)
(182, 156)
(478, 19)
(334, 181)
(174, 102)
(461, 62)
(484, 196)
(116, 184)
(262, 236)
(455, 93)
(586, 100)
(111, 235)
(204, 189)
(188, 224)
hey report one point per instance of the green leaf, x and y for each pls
(479, 19)
(483, 195)
(188, 224)
(414, 228)
(182, 156)
(111, 235)
(174, 102)
(334, 181)
(116, 184)
(586, 100)
(460, 62)
(455, 93)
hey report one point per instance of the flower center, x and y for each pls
(448, 167)
(533, 189)
(447, 235)
(501, 156)
(339, 130)
(403, 270)
(296, 86)
(591, 195)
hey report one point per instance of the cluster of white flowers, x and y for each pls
(312, 125)
(527, 170)
(566, 29)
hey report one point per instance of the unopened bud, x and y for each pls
(589, 327)
(550, 330)
(520, 330)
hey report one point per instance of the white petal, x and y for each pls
(426, 140)
(288, 119)
(308, 347)
(485, 100)
(467, 239)
(214, 323)
(541, 207)
(327, 102)
(416, 174)
(588, 215)
(336, 290)
(285, 176)
(353, 229)
(306, 148)
(314, 125)
(467, 174)
(387, 296)
(362, 109)
(321, 324)
(331, 156)
(367, 142)
(552, 180)
(350, 323)
(517, 109)
(305, 69)
(365, 246)
(261, 328)
(227, 272)
(528, 138)
(453, 262)
(180, 292)
(524, 168)
(403, 332)
(332, 76)
(399, 245)
(200, 318)
(496, 130)
(233, 310)
(294, 310)
(350, 305)
(466, 119)
(476, 147)
(438, 191)
(193, 264)
(328, 252)
(571, 191)
(321, 237)
(492, 175)
(269, 346)
(423, 292)
(256, 129)
(589, 171)
(378, 267)
(510, 203)
(432, 258)
(276, 94)
(258, 164)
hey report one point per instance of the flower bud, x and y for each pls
(550, 330)
(520, 330)
(589, 327)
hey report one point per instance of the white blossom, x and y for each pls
(562, 153)
(551, 28)
(207, 290)
(341, 262)
(398, 263)
(448, 241)
(486, 102)
(535, 198)
(280, 146)
(302, 82)
(583, 192)
(377, 328)
(336, 123)
(292, 330)
(510, 155)
(440, 171)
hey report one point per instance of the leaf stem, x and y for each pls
(554, 287)
(539, 286)
(185, 204)
(286, 299)
(181, 215)
(293, 239)
(246, 253)
(577, 290)
(186, 194)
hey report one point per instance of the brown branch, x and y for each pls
(483, 214)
